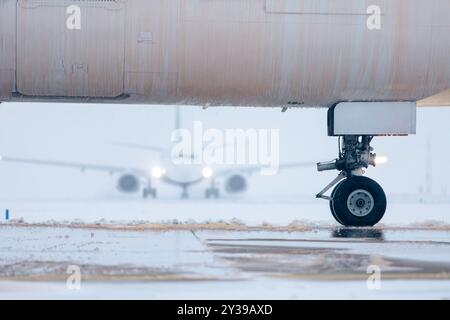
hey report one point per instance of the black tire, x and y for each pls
(146, 192)
(212, 193)
(358, 202)
(331, 202)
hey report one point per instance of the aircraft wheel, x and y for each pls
(358, 202)
(212, 192)
(331, 202)
(146, 192)
(215, 193)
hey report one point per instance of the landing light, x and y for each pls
(207, 173)
(381, 160)
(158, 172)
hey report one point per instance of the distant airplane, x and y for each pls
(370, 63)
(231, 179)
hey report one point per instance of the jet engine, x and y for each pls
(236, 183)
(128, 183)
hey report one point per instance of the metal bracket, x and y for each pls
(321, 194)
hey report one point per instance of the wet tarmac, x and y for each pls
(197, 263)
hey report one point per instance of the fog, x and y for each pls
(80, 133)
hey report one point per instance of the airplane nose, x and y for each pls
(184, 173)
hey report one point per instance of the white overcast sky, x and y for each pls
(74, 132)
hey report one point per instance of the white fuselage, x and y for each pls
(216, 52)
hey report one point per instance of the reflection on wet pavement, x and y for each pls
(339, 254)
(362, 233)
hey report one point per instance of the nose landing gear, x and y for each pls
(355, 200)
(212, 191)
(148, 190)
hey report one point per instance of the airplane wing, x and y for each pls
(137, 146)
(252, 169)
(440, 100)
(77, 165)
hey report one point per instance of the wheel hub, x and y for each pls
(360, 203)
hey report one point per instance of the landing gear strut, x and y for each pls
(184, 193)
(212, 191)
(355, 200)
(148, 190)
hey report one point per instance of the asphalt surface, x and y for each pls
(223, 262)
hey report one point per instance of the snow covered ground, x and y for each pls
(251, 211)
(121, 256)
(317, 262)
(253, 289)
